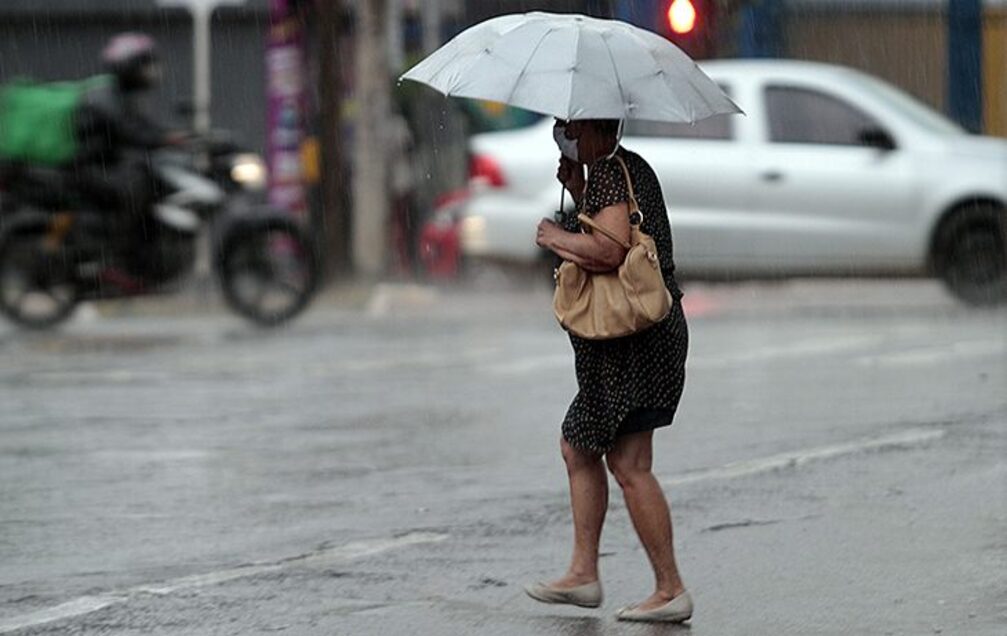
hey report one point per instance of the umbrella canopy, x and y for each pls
(573, 67)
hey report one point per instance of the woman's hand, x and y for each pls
(571, 175)
(594, 251)
(548, 230)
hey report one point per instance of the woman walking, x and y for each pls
(596, 72)
(628, 386)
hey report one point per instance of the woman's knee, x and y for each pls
(627, 469)
(575, 458)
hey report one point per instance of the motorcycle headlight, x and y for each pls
(249, 171)
(473, 233)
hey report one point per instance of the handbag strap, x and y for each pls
(634, 208)
(597, 227)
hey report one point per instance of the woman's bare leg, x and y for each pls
(589, 501)
(630, 462)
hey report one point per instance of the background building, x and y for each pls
(903, 41)
(62, 39)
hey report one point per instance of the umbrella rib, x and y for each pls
(657, 64)
(618, 80)
(576, 55)
(462, 50)
(433, 77)
(527, 63)
(689, 83)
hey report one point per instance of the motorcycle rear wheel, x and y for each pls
(269, 272)
(37, 287)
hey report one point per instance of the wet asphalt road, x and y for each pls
(839, 465)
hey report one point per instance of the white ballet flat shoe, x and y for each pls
(588, 595)
(677, 610)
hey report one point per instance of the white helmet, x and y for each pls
(132, 58)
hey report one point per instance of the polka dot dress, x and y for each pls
(630, 384)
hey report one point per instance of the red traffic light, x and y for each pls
(682, 17)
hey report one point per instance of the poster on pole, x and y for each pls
(286, 99)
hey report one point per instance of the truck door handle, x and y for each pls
(772, 176)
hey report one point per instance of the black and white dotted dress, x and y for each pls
(629, 384)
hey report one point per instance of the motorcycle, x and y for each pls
(55, 249)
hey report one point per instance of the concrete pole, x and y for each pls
(965, 63)
(370, 194)
(396, 47)
(431, 25)
(336, 217)
(761, 30)
(201, 13)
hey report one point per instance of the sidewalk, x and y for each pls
(208, 299)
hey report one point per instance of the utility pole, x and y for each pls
(370, 196)
(201, 12)
(761, 29)
(335, 216)
(965, 70)
(396, 46)
(431, 25)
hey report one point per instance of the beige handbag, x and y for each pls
(602, 306)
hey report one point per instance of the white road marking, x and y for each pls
(89, 604)
(491, 360)
(816, 346)
(795, 459)
(935, 355)
(77, 607)
(528, 364)
(421, 359)
(88, 377)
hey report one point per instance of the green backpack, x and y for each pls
(37, 120)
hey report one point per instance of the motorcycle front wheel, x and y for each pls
(37, 287)
(269, 271)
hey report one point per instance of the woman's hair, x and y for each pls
(606, 126)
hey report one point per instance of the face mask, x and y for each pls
(568, 147)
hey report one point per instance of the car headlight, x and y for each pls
(249, 171)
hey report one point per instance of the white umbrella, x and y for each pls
(573, 67)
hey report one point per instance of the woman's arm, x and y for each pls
(594, 252)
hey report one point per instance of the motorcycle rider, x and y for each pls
(115, 137)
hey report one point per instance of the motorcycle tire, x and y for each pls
(44, 275)
(273, 258)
